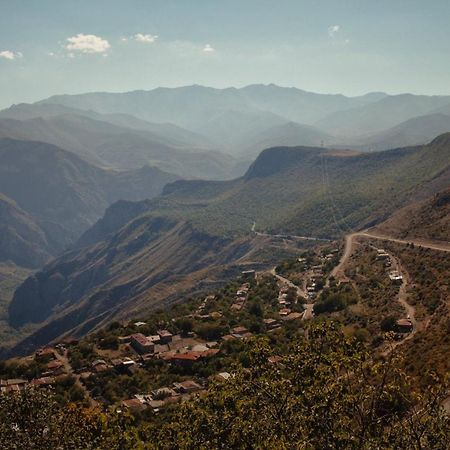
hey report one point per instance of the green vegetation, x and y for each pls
(326, 392)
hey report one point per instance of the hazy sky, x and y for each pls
(346, 46)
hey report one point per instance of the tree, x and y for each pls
(327, 394)
(32, 419)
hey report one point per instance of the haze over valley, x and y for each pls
(191, 225)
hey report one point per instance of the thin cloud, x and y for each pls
(333, 30)
(87, 43)
(9, 55)
(208, 48)
(145, 38)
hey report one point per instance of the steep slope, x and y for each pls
(22, 241)
(63, 193)
(116, 146)
(146, 262)
(311, 191)
(142, 255)
(381, 115)
(428, 219)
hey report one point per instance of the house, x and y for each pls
(155, 339)
(134, 405)
(382, 255)
(124, 339)
(293, 316)
(404, 326)
(240, 330)
(200, 348)
(162, 393)
(165, 336)
(186, 387)
(99, 365)
(156, 405)
(210, 352)
(12, 385)
(249, 274)
(344, 280)
(55, 367)
(139, 324)
(241, 294)
(395, 277)
(141, 343)
(270, 323)
(185, 359)
(228, 337)
(43, 382)
(223, 376)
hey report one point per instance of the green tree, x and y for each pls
(327, 394)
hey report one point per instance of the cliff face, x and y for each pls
(140, 266)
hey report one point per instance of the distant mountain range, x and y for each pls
(140, 255)
(234, 119)
(123, 188)
(106, 141)
(202, 132)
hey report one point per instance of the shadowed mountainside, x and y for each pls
(63, 194)
(140, 255)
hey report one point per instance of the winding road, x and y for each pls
(350, 242)
(338, 271)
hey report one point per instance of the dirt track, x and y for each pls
(338, 271)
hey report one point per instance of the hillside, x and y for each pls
(311, 191)
(63, 193)
(141, 255)
(429, 219)
(137, 268)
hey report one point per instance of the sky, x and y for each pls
(352, 47)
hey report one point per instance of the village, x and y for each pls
(196, 348)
